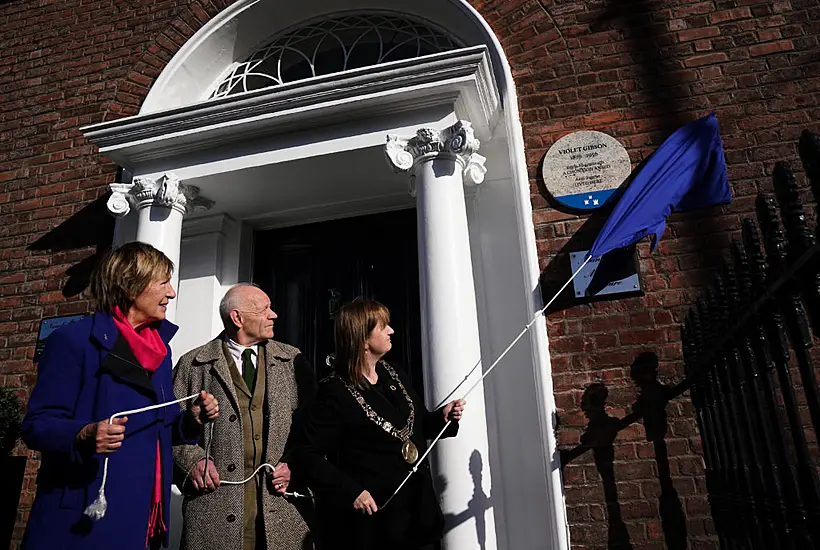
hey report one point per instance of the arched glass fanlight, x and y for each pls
(332, 46)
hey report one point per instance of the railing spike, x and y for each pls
(774, 239)
(744, 274)
(791, 209)
(757, 263)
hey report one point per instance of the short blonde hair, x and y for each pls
(354, 323)
(125, 272)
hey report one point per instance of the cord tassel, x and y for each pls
(96, 510)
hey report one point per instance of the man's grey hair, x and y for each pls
(230, 302)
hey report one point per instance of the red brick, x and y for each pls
(605, 341)
(567, 437)
(703, 45)
(662, 318)
(604, 324)
(697, 33)
(643, 337)
(634, 470)
(705, 59)
(602, 119)
(766, 35)
(697, 506)
(773, 47)
(729, 15)
(640, 319)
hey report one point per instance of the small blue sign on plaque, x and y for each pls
(622, 279)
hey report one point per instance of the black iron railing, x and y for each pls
(748, 354)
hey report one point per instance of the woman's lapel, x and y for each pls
(120, 363)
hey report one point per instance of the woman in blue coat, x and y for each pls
(114, 360)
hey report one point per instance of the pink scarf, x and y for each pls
(147, 346)
(150, 351)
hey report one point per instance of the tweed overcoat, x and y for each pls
(87, 373)
(215, 520)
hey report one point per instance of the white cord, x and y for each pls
(253, 475)
(477, 382)
(207, 443)
(96, 510)
(205, 475)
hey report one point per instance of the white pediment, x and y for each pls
(461, 80)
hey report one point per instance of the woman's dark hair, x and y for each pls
(354, 323)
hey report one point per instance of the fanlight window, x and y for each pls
(332, 46)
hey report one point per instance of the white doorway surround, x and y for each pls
(210, 172)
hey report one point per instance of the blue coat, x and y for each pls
(86, 374)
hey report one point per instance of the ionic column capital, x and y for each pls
(119, 203)
(457, 141)
(167, 191)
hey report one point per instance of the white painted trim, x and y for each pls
(205, 225)
(154, 101)
(361, 133)
(360, 207)
(460, 78)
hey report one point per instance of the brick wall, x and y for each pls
(578, 65)
(65, 64)
(638, 69)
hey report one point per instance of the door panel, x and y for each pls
(309, 271)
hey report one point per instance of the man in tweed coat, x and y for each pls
(263, 386)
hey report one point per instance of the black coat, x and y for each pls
(345, 453)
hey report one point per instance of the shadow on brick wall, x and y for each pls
(602, 431)
(651, 47)
(600, 434)
(651, 402)
(91, 227)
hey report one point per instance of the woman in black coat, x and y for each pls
(364, 433)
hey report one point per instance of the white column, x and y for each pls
(209, 265)
(440, 162)
(161, 204)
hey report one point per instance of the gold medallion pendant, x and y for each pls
(409, 452)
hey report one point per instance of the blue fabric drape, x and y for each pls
(688, 171)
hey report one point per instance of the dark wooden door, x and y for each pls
(310, 270)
